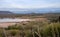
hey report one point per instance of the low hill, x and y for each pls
(11, 14)
(5, 12)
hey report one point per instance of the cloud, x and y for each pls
(29, 3)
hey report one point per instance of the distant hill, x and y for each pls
(17, 12)
(34, 10)
(5, 12)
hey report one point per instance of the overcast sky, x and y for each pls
(29, 3)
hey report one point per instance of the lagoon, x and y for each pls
(13, 20)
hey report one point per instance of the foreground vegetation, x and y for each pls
(33, 29)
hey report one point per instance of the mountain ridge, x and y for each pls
(26, 11)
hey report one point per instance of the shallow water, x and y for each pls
(13, 20)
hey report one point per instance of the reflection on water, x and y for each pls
(13, 20)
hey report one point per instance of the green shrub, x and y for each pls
(1, 33)
(13, 32)
(51, 30)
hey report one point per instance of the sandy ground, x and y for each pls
(6, 24)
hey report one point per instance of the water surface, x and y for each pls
(13, 20)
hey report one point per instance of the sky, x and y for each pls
(29, 3)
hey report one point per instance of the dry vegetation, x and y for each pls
(41, 27)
